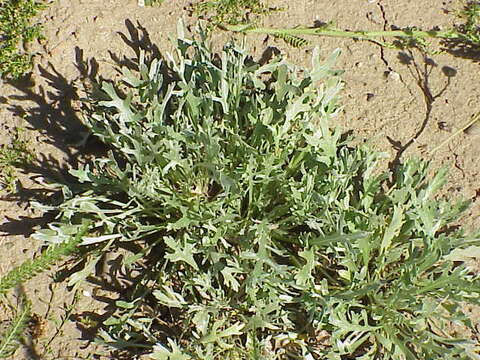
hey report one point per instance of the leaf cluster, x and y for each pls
(17, 30)
(471, 26)
(255, 230)
(230, 12)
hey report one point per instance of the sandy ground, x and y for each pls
(400, 102)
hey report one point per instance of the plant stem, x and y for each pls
(360, 34)
(9, 340)
(30, 268)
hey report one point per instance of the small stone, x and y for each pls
(444, 126)
(392, 75)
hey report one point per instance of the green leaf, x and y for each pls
(216, 335)
(338, 238)
(88, 269)
(182, 251)
(392, 230)
(174, 353)
(229, 278)
(292, 40)
(125, 304)
(304, 275)
(169, 298)
(470, 252)
(322, 69)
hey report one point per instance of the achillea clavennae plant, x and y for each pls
(256, 232)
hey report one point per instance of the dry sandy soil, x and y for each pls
(404, 104)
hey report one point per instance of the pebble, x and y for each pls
(445, 126)
(392, 75)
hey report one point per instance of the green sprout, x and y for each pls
(15, 155)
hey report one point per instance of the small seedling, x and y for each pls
(17, 154)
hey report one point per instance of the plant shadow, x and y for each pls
(462, 49)
(421, 72)
(53, 109)
(117, 284)
(138, 39)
